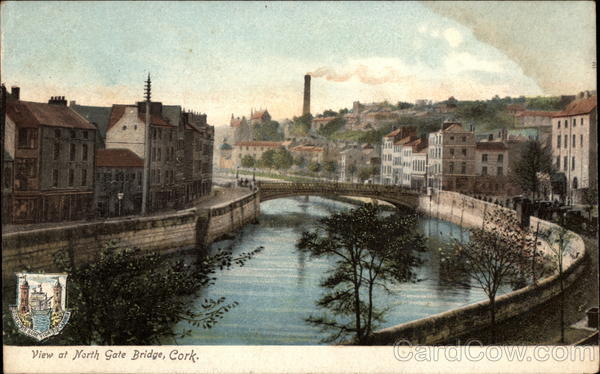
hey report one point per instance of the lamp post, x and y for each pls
(237, 175)
(253, 175)
(120, 198)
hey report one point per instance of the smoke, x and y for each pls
(364, 74)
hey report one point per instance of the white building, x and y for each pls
(574, 146)
(387, 152)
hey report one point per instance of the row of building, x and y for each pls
(459, 159)
(64, 162)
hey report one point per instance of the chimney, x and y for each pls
(306, 105)
(72, 103)
(15, 92)
(57, 100)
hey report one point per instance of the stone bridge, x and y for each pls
(398, 196)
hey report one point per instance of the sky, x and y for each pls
(224, 58)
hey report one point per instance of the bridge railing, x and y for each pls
(333, 187)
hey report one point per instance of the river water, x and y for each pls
(277, 289)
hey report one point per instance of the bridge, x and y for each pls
(398, 196)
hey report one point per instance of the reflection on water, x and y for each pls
(277, 289)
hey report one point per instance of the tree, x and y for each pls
(267, 131)
(128, 297)
(267, 159)
(248, 161)
(534, 160)
(282, 159)
(352, 170)
(301, 125)
(314, 166)
(498, 253)
(559, 245)
(371, 250)
(332, 126)
(590, 199)
(366, 173)
(299, 161)
(330, 167)
(404, 105)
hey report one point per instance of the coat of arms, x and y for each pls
(41, 304)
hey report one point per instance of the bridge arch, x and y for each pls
(398, 196)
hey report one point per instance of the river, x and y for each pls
(278, 288)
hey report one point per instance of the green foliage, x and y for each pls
(484, 114)
(544, 103)
(267, 131)
(301, 125)
(404, 105)
(328, 113)
(300, 161)
(534, 159)
(367, 172)
(330, 167)
(314, 166)
(267, 159)
(130, 297)
(248, 161)
(332, 127)
(282, 159)
(370, 249)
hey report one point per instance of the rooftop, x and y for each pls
(27, 113)
(490, 146)
(578, 107)
(118, 158)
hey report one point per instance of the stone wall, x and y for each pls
(34, 250)
(444, 326)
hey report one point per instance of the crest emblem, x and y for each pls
(41, 304)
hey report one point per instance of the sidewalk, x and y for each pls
(221, 196)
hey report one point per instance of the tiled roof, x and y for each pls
(118, 110)
(118, 158)
(307, 148)
(405, 140)
(578, 107)
(259, 115)
(491, 146)
(537, 113)
(257, 143)
(26, 113)
(393, 133)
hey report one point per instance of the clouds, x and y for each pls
(451, 35)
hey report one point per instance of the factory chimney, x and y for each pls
(306, 106)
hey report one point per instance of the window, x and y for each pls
(83, 177)
(581, 140)
(464, 151)
(500, 170)
(463, 168)
(566, 141)
(72, 152)
(57, 133)
(558, 141)
(153, 133)
(85, 134)
(464, 139)
(484, 170)
(107, 177)
(56, 151)
(451, 151)
(501, 158)
(71, 177)
(159, 154)
(558, 162)
(573, 163)
(565, 163)
(73, 133)
(559, 124)
(484, 157)
(581, 121)
(26, 167)
(452, 168)
(160, 133)
(573, 141)
(84, 154)
(574, 122)
(27, 138)
(124, 128)
(452, 138)
(55, 178)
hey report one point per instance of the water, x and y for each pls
(41, 320)
(278, 288)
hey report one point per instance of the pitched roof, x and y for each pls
(393, 133)
(118, 158)
(98, 115)
(259, 115)
(577, 107)
(257, 143)
(537, 113)
(27, 113)
(118, 110)
(237, 122)
(405, 140)
(490, 146)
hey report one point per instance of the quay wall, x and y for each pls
(34, 250)
(445, 326)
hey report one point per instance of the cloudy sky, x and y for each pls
(228, 57)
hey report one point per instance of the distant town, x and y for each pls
(64, 161)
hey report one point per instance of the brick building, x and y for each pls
(53, 151)
(119, 178)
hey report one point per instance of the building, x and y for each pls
(399, 162)
(413, 169)
(258, 117)
(356, 157)
(535, 118)
(53, 151)
(492, 169)
(318, 122)
(98, 116)
(126, 129)
(239, 130)
(574, 146)
(418, 176)
(451, 159)
(254, 149)
(119, 180)
(310, 153)
(387, 152)
(198, 157)
(225, 156)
